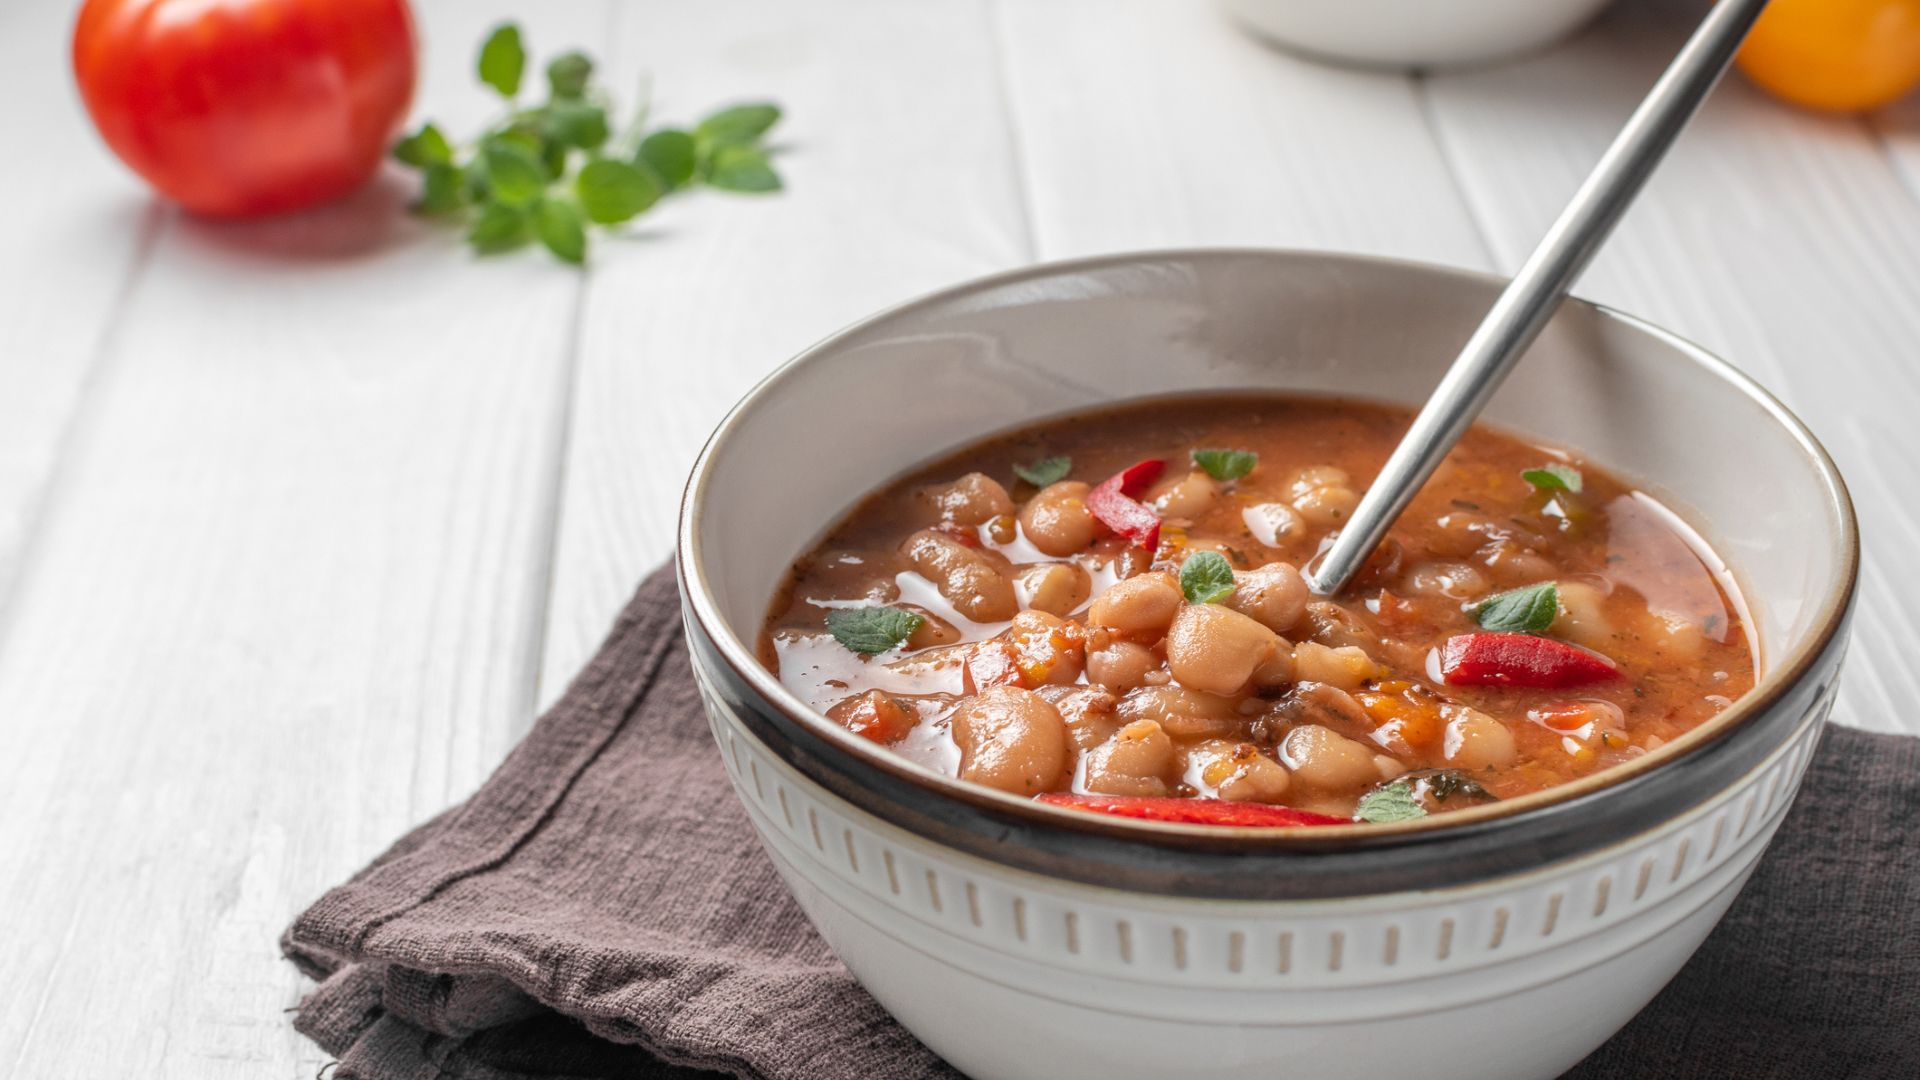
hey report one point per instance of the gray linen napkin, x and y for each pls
(600, 909)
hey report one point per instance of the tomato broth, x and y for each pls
(1106, 611)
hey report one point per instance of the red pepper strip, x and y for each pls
(989, 664)
(1498, 659)
(1113, 503)
(1191, 811)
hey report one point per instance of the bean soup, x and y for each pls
(1107, 612)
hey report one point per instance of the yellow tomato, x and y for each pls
(1843, 55)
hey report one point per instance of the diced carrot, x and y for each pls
(875, 715)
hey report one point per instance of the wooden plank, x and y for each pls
(1781, 240)
(287, 605)
(1228, 142)
(898, 182)
(1167, 126)
(64, 268)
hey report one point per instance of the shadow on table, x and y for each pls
(372, 219)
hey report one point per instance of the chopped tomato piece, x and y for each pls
(993, 663)
(1501, 659)
(875, 715)
(1114, 502)
(1190, 811)
(1040, 645)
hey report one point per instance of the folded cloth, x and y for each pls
(601, 909)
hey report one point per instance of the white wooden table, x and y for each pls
(300, 522)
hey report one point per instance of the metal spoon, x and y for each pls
(1536, 291)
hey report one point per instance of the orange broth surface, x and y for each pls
(1032, 668)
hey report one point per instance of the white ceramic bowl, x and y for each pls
(1413, 33)
(1019, 940)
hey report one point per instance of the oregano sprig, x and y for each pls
(551, 171)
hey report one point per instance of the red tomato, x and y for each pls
(238, 108)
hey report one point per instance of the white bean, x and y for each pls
(1057, 588)
(973, 581)
(1138, 760)
(1474, 740)
(1011, 739)
(1347, 667)
(1275, 595)
(1057, 520)
(974, 499)
(1120, 665)
(1186, 497)
(1216, 650)
(1138, 605)
(1324, 759)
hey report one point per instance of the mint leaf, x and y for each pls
(424, 148)
(737, 167)
(1206, 577)
(568, 74)
(560, 228)
(1395, 802)
(499, 228)
(1529, 610)
(738, 124)
(613, 191)
(575, 123)
(514, 175)
(1048, 470)
(1555, 477)
(503, 60)
(443, 190)
(670, 153)
(1226, 464)
(871, 630)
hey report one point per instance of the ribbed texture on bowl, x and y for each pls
(1298, 944)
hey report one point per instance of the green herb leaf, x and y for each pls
(538, 173)
(568, 74)
(443, 190)
(1206, 577)
(741, 168)
(499, 228)
(1529, 610)
(670, 153)
(424, 148)
(613, 191)
(561, 229)
(1395, 802)
(738, 124)
(503, 60)
(525, 133)
(1048, 470)
(1226, 464)
(514, 175)
(871, 630)
(575, 123)
(1554, 477)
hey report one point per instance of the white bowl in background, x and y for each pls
(1413, 33)
(1021, 940)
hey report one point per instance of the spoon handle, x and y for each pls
(1533, 295)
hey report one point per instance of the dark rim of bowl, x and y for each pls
(896, 789)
